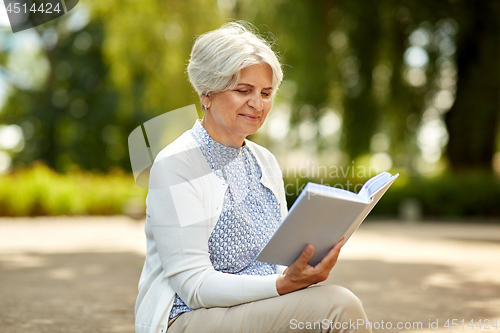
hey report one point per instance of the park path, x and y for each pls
(80, 274)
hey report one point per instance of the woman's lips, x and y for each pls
(250, 117)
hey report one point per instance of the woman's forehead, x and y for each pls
(257, 75)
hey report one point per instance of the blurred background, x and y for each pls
(390, 85)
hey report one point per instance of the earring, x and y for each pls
(206, 106)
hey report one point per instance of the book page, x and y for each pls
(334, 192)
(373, 184)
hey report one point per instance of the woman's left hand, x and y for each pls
(300, 275)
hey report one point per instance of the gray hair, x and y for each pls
(218, 56)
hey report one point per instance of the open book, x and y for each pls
(321, 216)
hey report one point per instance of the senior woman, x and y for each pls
(216, 198)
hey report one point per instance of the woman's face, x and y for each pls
(234, 114)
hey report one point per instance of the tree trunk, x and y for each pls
(473, 120)
(361, 112)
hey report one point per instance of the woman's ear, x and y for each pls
(205, 100)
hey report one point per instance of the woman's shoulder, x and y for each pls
(182, 158)
(183, 143)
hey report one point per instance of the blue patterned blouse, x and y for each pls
(250, 212)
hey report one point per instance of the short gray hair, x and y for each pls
(218, 56)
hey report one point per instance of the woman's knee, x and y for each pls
(338, 296)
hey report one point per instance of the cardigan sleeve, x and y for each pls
(180, 227)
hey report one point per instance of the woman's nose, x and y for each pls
(256, 102)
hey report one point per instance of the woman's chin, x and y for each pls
(249, 130)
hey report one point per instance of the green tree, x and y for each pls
(65, 122)
(128, 65)
(123, 68)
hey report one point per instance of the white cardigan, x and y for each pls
(183, 205)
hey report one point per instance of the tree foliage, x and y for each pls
(127, 65)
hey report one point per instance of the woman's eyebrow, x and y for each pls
(251, 85)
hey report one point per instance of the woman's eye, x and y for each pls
(247, 91)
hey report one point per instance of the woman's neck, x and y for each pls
(219, 135)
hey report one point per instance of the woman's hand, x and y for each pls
(300, 275)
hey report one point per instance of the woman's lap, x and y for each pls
(325, 308)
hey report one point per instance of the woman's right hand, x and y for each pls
(300, 275)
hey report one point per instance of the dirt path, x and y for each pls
(62, 275)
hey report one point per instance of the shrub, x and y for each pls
(446, 196)
(38, 190)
